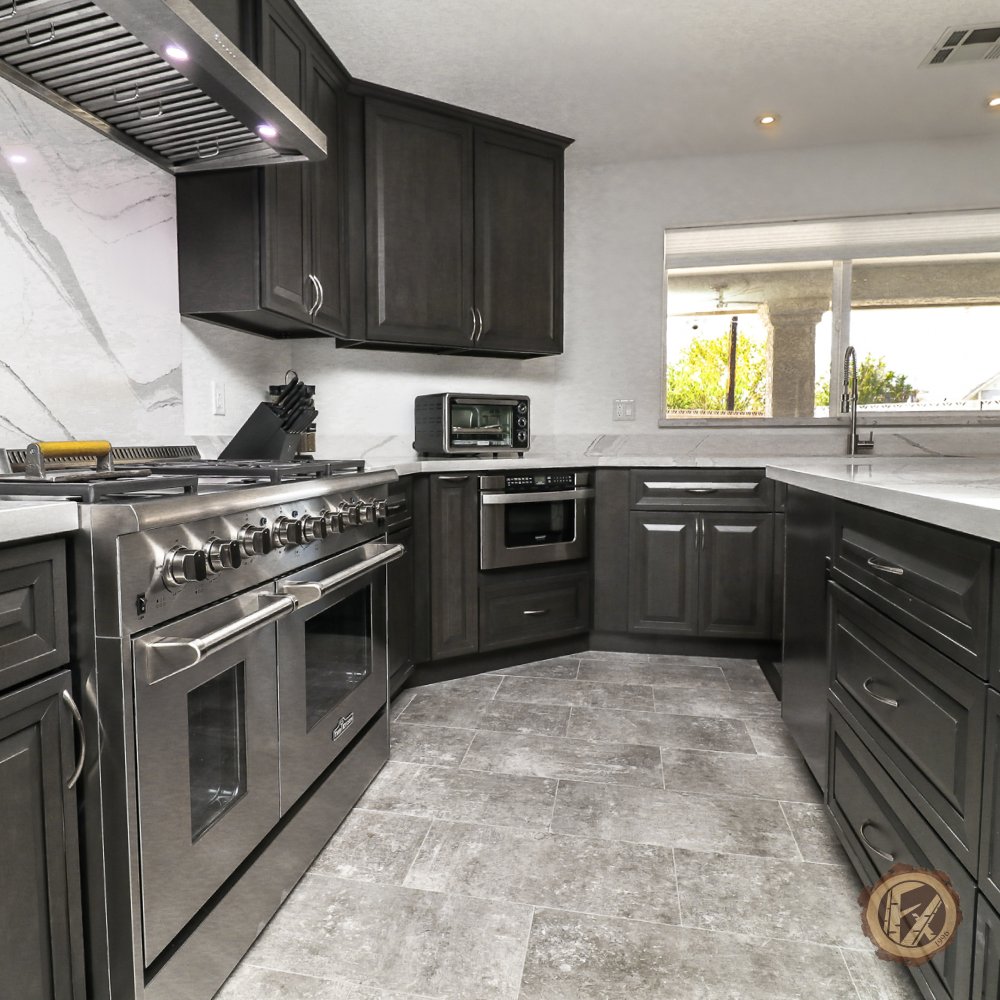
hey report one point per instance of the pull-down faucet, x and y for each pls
(849, 404)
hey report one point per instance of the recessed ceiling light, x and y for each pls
(176, 52)
(993, 102)
(267, 131)
(16, 158)
(767, 120)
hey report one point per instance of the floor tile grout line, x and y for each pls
(341, 981)
(555, 801)
(788, 823)
(423, 840)
(527, 948)
(850, 974)
(677, 887)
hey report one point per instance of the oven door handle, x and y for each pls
(504, 498)
(174, 655)
(309, 592)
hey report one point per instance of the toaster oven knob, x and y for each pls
(287, 532)
(334, 521)
(522, 407)
(183, 565)
(522, 437)
(254, 541)
(223, 555)
(313, 527)
(351, 511)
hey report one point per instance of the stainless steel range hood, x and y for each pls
(156, 76)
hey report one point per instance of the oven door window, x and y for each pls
(217, 748)
(339, 654)
(545, 523)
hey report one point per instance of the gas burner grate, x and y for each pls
(250, 470)
(94, 490)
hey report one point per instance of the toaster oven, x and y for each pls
(452, 424)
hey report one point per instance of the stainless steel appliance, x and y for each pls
(156, 76)
(527, 518)
(230, 636)
(454, 424)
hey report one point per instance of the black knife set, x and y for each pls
(272, 433)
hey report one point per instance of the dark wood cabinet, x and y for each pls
(701, 574)
(989, 856)
(266, 249)
(454, 565)
(41, 948)
(986, 972)
(401, 613)
(464, 234)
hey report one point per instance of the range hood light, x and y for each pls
(767, 120)
(267, 132)
(993, 102)
(176, 53)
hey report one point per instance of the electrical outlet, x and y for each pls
(219, 399)
(624, 409)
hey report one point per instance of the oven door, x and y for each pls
(332, 662)
(206, 754)
(526, 529)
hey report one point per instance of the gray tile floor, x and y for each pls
(585, 828)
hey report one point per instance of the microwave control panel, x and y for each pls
(540, 482)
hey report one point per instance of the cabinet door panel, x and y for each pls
(41, 946)
(286, 219)
(986, 975)
(401, 631)
(327, 197)
(663, 573)
(454, 566)
(519, 205)
(420, 240)
(736, 588)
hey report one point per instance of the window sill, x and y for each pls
(864, 420)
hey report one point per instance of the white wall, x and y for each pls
(616, 214)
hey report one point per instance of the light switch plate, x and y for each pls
(219, 399)
(624, 409)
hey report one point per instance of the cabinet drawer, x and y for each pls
(517, 611)
(34, 626)
(986, 976)
(927, 715)
(989, 858)
(935, 582)
(701, 489)
(879, 827)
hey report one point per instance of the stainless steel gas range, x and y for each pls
(230, 647)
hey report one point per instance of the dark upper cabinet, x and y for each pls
(464, 234)
(41, 948)
(418, 178)
(266, 249)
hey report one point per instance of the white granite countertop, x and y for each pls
(958, 493)
(22, 520)
(411, 465)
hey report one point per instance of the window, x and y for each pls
(756, 326)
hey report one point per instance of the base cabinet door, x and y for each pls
(663, 573)
(986, 970)
(735, 586)
(41, 943)
(401, 612)
(454, 545)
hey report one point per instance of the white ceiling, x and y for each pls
(638, 79)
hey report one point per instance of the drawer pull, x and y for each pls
(701, 489)
(885, 567)
(871, 847)
(78, 721)
(540, 611)
(891, 702)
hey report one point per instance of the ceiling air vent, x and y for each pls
(156, 76)
(963, 46)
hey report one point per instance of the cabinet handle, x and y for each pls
(479, 336)
(10, 11)
(891, 702)
(453, 479)
(540, 611)
(322, 298)
(701, 489)
(885, 567)
(871, 847)
(315, 302)
(472, 336)
(78, 722)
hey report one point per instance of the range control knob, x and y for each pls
(254, 541)
(381, 510)
(314, 527)
(287, 532)
(366, 512)
(183, 565)
(334, 521)
(223, 555)
(351, 511)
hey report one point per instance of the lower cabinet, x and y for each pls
(41, 947)
(986, 974)
(530, 606)
(705, 574)
(989, 846)
(401, 615)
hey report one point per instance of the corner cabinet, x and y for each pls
(265, 249)
(464, 229)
